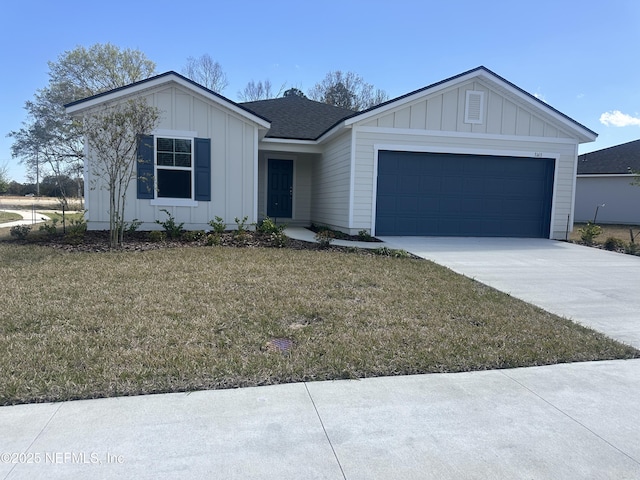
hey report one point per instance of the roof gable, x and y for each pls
(620, 159)
(164, 79)
(491, 81)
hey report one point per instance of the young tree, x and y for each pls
(347, 90)
(50, 142)
(259, 91)
(4, 179)
(112, 135)
(207, 72)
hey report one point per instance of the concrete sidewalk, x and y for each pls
(571, 421)
(29, 217)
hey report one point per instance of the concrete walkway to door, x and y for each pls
(593, 287)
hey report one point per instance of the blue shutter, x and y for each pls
(145, 166)
(203, 169)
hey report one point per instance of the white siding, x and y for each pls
(621, 199)
(444, 111)
(331, 184)
(232, 164)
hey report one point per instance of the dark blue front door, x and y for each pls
(279, 188)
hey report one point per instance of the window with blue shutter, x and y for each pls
(165, 166)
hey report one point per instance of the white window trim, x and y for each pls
(168, 201)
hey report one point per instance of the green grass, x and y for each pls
(81, 325)
(9, 217)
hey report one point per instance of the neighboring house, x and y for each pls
(472, 155)
(604, 178)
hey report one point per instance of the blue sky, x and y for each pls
(579, 56)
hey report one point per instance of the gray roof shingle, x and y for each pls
(296, 117)
(619, 159)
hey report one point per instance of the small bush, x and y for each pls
(50, 229)
(279, 239)
(218, 225)
(324, 238)
(214, 239)
(75, 231)
(390, 252)
(132, 227)
(632, 248)
(615, 244)
(268, 226)
(241, 225)
(589, 232)
(364, 236)
(20, 231)
(157, 236)
(193, 235)
(171, 228)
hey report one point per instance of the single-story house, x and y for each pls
(472, 155)
(605, 178)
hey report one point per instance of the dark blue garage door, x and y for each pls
(463, 195)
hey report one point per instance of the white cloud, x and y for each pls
(616, 118)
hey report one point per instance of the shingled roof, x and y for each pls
(620, 159)
(297, 118)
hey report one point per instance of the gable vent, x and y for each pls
(474, 107)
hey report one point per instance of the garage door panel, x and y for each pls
(450, 194)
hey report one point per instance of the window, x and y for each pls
(174, 167)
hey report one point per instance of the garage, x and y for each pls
(444, 194)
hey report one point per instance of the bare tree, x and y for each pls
(347, 90)
(112, 134)
(50, 142)
(259, 91)
(207, 72)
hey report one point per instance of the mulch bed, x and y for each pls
(98, 241)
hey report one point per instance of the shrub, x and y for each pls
(75, 231)
(193, 235)
(390, 252)
(171, 228)
(589, 232)
(364, 236)
(218, 225)
(50, 229)
(632, 248)
(324, 238)
(242, 225)
(279, 239)
(214, 239)
(157, 236)
(131, 227)
(615, 244)
(268, 226)
(20, 231)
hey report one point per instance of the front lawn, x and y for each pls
(85, 325)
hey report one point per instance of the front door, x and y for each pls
(280, 188)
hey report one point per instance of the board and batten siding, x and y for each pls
(445, 111)
(233, 147)
(331, 184)
(369, 139)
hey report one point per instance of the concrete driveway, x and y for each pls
(593, 287)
